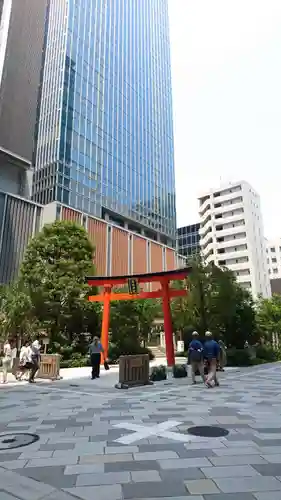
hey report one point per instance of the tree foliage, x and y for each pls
(53, 271)
(17, 318)
(269, 317)
(131, 322)
(215, 302)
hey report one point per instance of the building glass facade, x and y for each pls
(188, 240)
(104, 131)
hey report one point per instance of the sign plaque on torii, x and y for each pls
(165, 292)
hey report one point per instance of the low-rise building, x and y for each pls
(232, 235)
(273, 254)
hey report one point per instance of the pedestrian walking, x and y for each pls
(222, 356)
(6, 361)
(211, 354)
(25, 361)
(195, 352)
(14, 357)
(35, 360)
(95, 350)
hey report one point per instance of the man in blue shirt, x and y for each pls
(195, 354)
(211, 354)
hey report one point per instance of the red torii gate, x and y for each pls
(165, 292)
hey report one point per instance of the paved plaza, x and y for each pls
(86, 440)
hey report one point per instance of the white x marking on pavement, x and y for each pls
(160, 430)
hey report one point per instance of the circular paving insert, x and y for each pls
(208, 431)
(16, 440)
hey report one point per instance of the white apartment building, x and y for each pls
(273, 251)
(231, 234)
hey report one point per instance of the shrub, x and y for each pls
(179, 371)
(158, 373)
(238, 357)
(114, 352)
(267, 353)
(77, 361)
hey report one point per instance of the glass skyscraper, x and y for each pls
(104, 135)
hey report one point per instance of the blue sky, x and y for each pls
(226, 63)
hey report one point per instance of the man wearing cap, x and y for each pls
(195, 352)
(211, 354)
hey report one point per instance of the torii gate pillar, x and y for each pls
(168, 324)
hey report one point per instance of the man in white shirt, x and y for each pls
(6, 360)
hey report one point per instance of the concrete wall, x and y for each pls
(19, 220)
(21, 76)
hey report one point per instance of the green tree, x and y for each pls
(215, 302)
(269, 317)
(131, 322)
(53, 271)
(17, 313)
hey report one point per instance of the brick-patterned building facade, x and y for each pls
(118, 251)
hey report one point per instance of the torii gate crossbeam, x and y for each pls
(165, 293)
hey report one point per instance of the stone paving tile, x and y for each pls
(50, 475)
(184, 463)
(233, 471)
(157, 490)
(14, 464)
(143, 465)
(145, 476)
(236, 451)
(84, 469)
(105, 492)
(273, 469)
(23, 487)
(116, 450)
(233, 496)
(201, 486)
(189, 497)
(52, 462)
(248, 484)
(237, 460)
(58, 446)
(105, 459)
(59, 495)
(103, 479)
(156, 455)
(181, 474)
(6, 457)
(6, 496)
(273, 495)
(270, 450)
(28, 455)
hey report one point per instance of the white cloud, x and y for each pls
(226, 61)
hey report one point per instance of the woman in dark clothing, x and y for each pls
(95, 351)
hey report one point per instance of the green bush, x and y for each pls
(179, 371)
(158, 373)
(238, 357)
(267, 353)
(77, 361)
(114, 352)
(258, 361)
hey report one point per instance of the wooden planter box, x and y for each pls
(49, 367)
(133, 371)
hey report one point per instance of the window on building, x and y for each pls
(275, 270)
(274, 259)
(272, 249)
